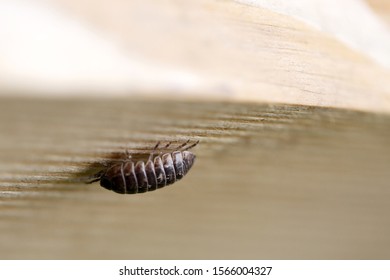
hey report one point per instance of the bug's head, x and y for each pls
(112, 179)
(188, 159)
(106, 183)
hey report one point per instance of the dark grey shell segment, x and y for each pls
(169, 168)
(151, 176)
(130, 178)
(141, 177)
(158, 172)
(178, 164)
(188, 160)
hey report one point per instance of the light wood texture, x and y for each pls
(381, 7)
(241, 52)
(279, 175)
(270, 181)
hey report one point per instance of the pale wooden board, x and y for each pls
(382, 7)
(239, 52)
(270, 181)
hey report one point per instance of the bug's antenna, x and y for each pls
(96, 177)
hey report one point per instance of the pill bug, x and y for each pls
(127, 177)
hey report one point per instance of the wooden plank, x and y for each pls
(270, 181)
(236, 52)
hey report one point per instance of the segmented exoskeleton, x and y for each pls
(127, 177)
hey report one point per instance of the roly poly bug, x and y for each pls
(127, 177)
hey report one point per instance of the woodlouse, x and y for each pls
(127, 177)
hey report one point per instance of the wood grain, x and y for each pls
(240, 52)
(281, 173)
(270, 181)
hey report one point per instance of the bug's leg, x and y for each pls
(183, 145)
(167, 145)
(154, 149)
(190, 146)
(161, 150)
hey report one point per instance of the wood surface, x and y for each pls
(382, 8)
(238, 52)
(270, 181)
(293, 160)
